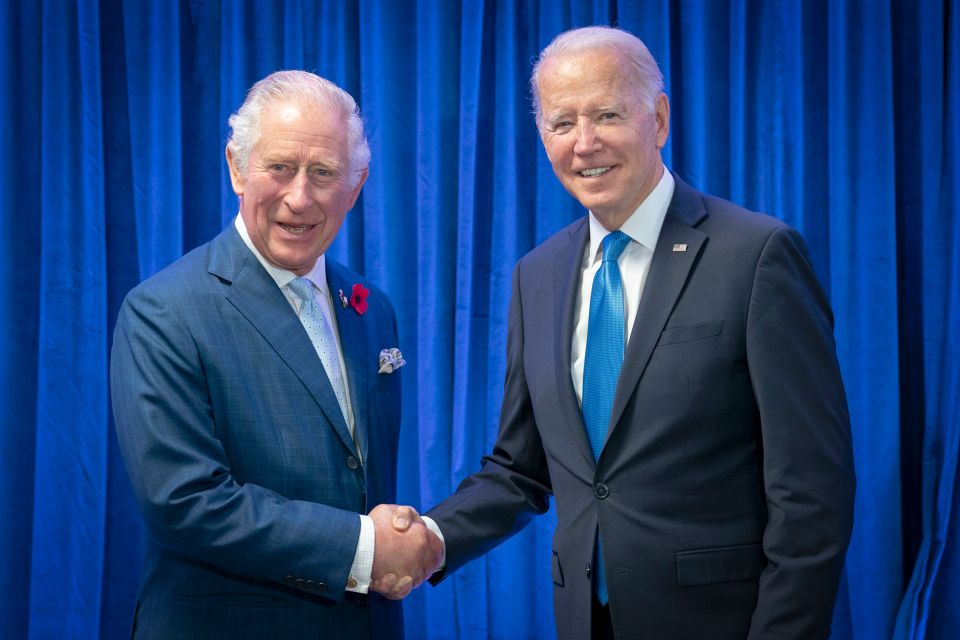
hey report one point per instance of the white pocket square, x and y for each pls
(391, 360)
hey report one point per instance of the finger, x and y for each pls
(403, 594)
(396, 595)
(384, 583)
(402, 588)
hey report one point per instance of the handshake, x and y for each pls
(406, 553)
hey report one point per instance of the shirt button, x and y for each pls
(352, 463)
(600, 490)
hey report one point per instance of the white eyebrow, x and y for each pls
(617, 107)
(556, 115)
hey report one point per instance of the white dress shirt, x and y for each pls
(360, 571)
(643, 228)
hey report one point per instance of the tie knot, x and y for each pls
(614, 244)
(303, 289)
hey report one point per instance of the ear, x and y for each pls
(663, 120)
(359, 185)
(236, 177)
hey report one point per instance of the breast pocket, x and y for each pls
(691, 332)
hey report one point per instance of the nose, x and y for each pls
(298, 195)
(587, 141)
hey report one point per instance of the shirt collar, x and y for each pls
(317, 275)
(643, 225)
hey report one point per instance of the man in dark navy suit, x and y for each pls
(671, 380)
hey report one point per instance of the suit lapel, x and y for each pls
(354, 340)
(567, 264)
(668, 275)
(258, 299)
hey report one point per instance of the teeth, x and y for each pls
(589, 173)
(296, 229)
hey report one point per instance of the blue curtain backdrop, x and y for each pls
(839, 117)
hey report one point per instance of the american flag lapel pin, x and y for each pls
(679, 248)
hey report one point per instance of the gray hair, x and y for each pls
(304, 88)
(635, 55)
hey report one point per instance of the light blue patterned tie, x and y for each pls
(321, 335)
(604, 358)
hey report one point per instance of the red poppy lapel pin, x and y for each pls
(358, 298)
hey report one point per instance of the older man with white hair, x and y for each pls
(671, 380)
(256, 390)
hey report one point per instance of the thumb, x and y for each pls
(403, 516)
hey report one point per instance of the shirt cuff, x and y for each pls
(359, 581)
(430, 524)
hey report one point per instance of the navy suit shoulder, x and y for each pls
(559, 243)
(725, 221)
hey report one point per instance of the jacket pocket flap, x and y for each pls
(691, 332)
(556, 570)
(721, 564)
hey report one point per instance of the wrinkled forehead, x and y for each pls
(308, 128)
(291, 110)
(589, 78)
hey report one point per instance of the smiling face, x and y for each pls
(602, 140)
(297, 189)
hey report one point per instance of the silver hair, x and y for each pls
(635, 55)
(305, 88)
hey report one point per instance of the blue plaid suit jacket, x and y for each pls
(241, 461)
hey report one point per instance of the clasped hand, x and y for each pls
(406, 554)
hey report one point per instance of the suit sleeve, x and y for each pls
(807, 455)
(513, 484)
(181, 474)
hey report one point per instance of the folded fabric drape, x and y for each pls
(838, 117)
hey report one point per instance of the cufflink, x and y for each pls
(351, 583)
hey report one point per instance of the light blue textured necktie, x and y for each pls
(322, 337)
(606, 335)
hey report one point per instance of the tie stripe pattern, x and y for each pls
(606, 335)
(322, 336)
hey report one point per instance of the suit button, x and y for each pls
(289, 580)
(600, 490)
(322, 587)
(300, 583)
(352, 463)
